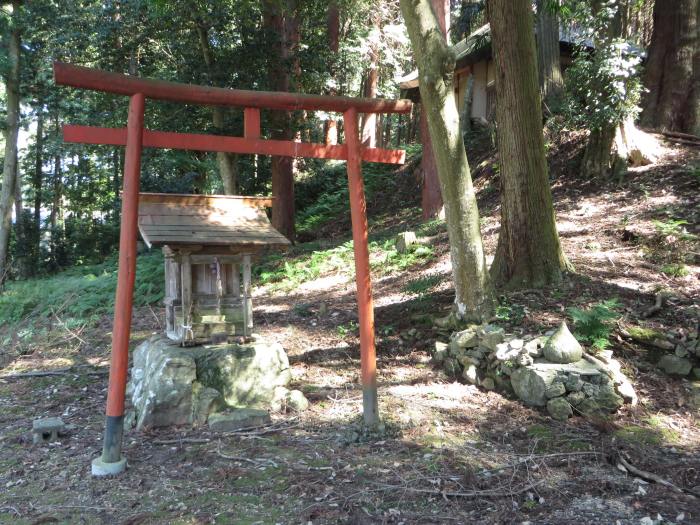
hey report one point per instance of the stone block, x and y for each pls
(404, 241)
(47, 429)
(674, 365)
(238, 419)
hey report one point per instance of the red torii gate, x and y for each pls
(135, 138)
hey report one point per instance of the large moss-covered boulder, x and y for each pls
(247, 375)
(676, 366)
(562, 347)
(161, 384)
(171, 385)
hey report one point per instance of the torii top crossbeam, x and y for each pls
(135, 137)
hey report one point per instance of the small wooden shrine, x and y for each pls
(208, 242)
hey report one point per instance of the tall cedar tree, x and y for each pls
(10, 173)
(436, 62)
(431, 198)
(528, 252)
(672, 73)
(282, 27)
(548, 56)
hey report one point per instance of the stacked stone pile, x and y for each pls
(551, 371)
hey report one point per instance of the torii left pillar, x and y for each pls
(111, 461)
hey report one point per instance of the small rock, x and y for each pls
(322, 309)
(491, 335)
(440, 351)
(455, 350)
(681, 351)
(523, 359)
(674, 365)
(516, 344)
(534, 346)
(404, 241)
(237, 419)
(296, 400)
(559, 408)
(576, 398)
(451, 366)
(556, 389)
(574, 383)
(488, 383)
(466, 338)
(562, 347)
(590, 389)
(626, 390)
(471, 374)
(696, 373)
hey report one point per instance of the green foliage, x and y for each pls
(675, 270)
(81, 294)
(286, 272)
(422, 285)
(603, 87)
(509, 313)
(594, 325)
(675, 228)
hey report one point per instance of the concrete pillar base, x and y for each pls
(100, 468)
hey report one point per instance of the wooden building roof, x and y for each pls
(208, 220)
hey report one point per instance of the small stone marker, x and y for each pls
(238, 419)
(404, 241)
(562, 347)
(46, 430)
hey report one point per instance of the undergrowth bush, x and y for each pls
(322, 194)
(595, 324)
(286, 273)
(80, 294)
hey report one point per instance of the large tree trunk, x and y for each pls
(38, 180)
(671, 73)
(528, 252)
(368, 127)
(283, 30)
(227, 162)
(9, 174)
(330, 126)
(548, 60)
(473, 291)
(431, 197)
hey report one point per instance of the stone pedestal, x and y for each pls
(171, 385)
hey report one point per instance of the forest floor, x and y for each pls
(450, 453)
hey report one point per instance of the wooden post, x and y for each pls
(111, 461)
(358, 215)
(246, 301)
(186, 288)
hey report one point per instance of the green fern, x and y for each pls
(594, 325)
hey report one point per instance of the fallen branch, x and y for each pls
(256, 462)
(650, 476)
(489, 493)
(180, 441)
(58, 372)
(659, 303)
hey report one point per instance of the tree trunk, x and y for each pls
(528, 252)
(435, 59)
(431, 198)
(671, 74)
(330, 127)
(283, 31)
(9, 174)
(368, 129)
(38, 180)
(548, 60)
(227, 162)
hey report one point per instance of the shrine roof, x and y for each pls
(208, 220)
